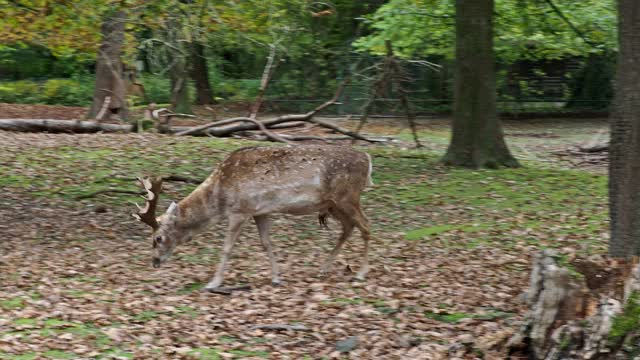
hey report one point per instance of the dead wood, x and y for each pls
(594, 148)
(391, 74)
(281, 327)
(571, 317)
(307, 117)
(163, 117)
(228, 290)
(230, 129)
(269, 69)
(61, 126)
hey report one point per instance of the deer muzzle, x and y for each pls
(156, 262)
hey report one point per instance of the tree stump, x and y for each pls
(589, 312)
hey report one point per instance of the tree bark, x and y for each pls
(109, 71)
(477, 139)
(200, 75)
(624, 150)
(180, 101)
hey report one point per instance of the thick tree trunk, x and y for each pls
(109, 98)
(200, 75)
(624, 150)
(477, 139)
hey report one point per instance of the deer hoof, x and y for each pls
(217, 290)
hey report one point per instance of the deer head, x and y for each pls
(165, 235)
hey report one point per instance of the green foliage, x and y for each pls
(20, 61)
(523, 29)
(67, 92)
(24, 92)
(628, 322)
(72, 92)
(11, 304)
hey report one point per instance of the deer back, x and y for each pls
(299, 179)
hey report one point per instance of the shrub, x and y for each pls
(72, 92)
(23, 91)
(67, 92)
(157, 88)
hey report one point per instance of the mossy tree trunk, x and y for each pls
(180, 100)
(179, 71)
(109, 97)
(624, 150)
(477, 139)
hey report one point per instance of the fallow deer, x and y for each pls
(260, 181)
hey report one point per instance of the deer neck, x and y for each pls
(201, 208)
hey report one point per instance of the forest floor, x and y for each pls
(450, 256)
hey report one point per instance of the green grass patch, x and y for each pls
(59, 354)
(25, 322)
(205, 354)
(189, 288)
(25, 356)
(419, 234)
(453, 318)
(145, 316)
(12, 304)
(246, 353)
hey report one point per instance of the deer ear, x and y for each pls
(173, 210)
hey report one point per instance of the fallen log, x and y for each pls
(229, 129)
(281, 327)
(61, 126)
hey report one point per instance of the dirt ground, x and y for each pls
(449, 261)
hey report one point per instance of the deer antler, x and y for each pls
(148, 214)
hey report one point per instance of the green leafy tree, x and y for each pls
(524, 29)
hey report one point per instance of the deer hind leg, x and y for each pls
(363, 225)
(235, 225)
(263, 223)
(347, 230)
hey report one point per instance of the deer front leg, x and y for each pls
(263, 222)
(235, 225)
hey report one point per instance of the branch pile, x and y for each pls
(236, 127)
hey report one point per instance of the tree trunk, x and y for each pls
(477, 139)
(180, 101)
(624, 162)
(200, 75)
(109, 97)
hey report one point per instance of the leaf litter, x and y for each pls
(450, 258)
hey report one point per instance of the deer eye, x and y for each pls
(157, 240)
